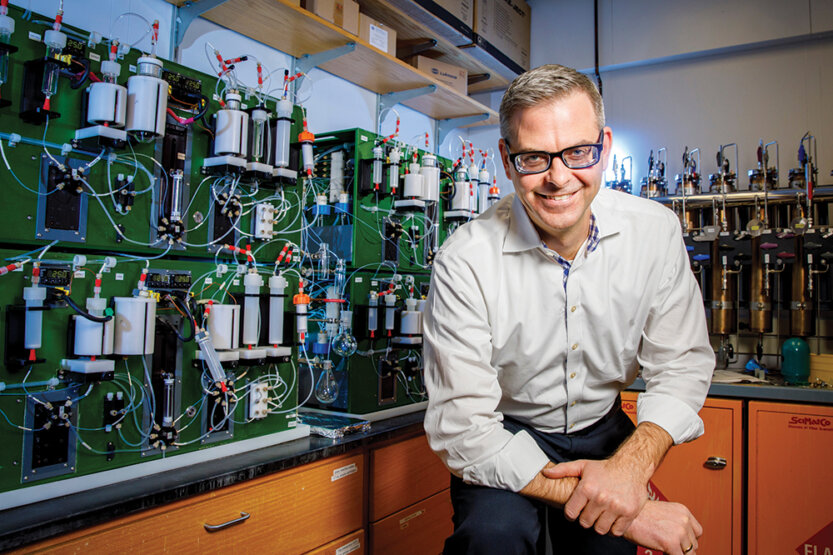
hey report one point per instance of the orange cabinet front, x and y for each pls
(694, 474)
(790, 479)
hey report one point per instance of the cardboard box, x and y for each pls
(344, 13)
(461, 9)
(455, 77)
(378, 35)
(347, 15)
(505, 25)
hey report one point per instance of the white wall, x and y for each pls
(701, 74)
(332, 103)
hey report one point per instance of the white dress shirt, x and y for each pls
(505, 334)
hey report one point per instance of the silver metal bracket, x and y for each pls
(446, 126)
(186, 14)
(389, 100)
(307, 62)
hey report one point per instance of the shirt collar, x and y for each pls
(523, 236)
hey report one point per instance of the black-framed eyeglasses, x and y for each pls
(575, 157)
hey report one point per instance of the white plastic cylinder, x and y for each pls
(373, 312)
(135, 325)
(332, 312)
(282, 133)
(224, 326)
(231, 133)
(94, 339)
(252, 283)
(307, 159)
(430, 172)
(410, 323)
(462, 194)
(147, 102)
(107, 104)
(390, 311)
(336, 175)
(482, 197)
(414, 182)
(277, 286)
(301, 318)
(33, 332)
(378, 156)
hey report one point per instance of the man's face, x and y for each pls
(558, 200)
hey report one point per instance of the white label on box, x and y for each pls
(292, 424)
(119, 277)
(358, 280)
(235, 282)
(78, 274)
(344, 471)
(354, 545)
(378, 38)
(209, 281)
(94, 57)
(34, 36)
(363, 138)
(131, 68)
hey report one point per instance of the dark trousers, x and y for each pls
(501, 522)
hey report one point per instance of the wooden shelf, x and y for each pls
(409, 29)
(291, 29)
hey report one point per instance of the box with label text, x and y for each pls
(344, 13)
(504, 24)
(378, 35)
(455, 77)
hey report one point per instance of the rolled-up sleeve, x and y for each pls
(462, 422)
(675, 354)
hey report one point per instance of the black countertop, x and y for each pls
(37, 521)
(761, 392)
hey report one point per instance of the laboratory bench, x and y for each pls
(383, 491)
(308, 495)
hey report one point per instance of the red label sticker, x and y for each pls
(820, 544)
(815, 423)
(654, 494)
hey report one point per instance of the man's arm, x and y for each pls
(613, 491)
(668, 527)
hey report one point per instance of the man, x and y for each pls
(541, 311)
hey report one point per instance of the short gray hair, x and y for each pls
(544, 83)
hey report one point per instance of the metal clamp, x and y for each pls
(715, 463)
(218, 527)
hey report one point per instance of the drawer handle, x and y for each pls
(715, 463)
(218, 527)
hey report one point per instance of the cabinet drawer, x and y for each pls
(291, 512)
(420, 529)
(684, 474)
(351, 543)
(404, 473)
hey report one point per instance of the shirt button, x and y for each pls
(573, 375)
(573, 404)
(572, 309)
(573, 425)
(575, 346)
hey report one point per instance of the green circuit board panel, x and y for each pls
(186, 268)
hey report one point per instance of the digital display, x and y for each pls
(55, 276)
(169, 280)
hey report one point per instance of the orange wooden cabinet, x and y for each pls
(403, 473)
(706, 475)
(419, 529)
(790, 507)
(290, 512)
(351, 543)
(410, 506)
